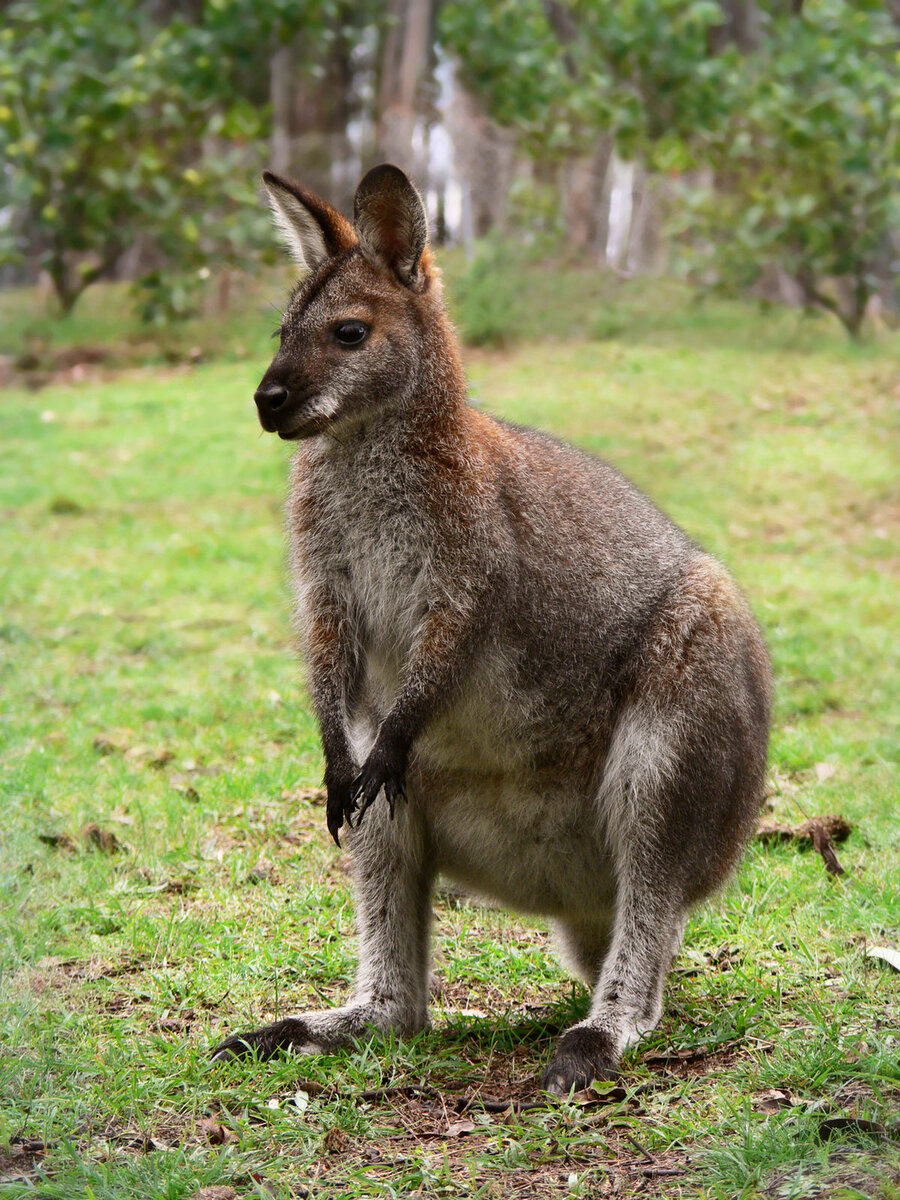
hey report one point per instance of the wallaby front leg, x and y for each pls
(438, 663)
(332, 666)
(393, 878)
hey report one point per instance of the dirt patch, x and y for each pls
(19, 1163)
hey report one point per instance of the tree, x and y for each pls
(791, 110)
(807, 163)
(103, 116)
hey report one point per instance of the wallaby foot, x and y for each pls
(582, 1055)
(319, 1032)
(265, 1042)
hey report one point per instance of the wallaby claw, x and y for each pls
(394, 789)
(338, 808)
(366, 788)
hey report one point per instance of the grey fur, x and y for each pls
(573, 696)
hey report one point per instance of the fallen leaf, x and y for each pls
(459, 1129)
(838, 827)
(263, 872)
(59, 841)
(772, 1100)
(885, 954)
(824, 770)
(214, 1132)
(336, 1141)
(822, 832)
(113, 742)
(591, 1097)
(690, 1054)
(853, 1128)
(181, 783)
(306, 795)
(101, 839)
(148, 756)
(821, 840)
(171, 1025)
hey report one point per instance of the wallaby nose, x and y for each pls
(270, 398)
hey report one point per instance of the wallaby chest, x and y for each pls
(365, 532)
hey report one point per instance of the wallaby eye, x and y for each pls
(350, 333)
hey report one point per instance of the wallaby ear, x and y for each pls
(391, 223)
(311, 228)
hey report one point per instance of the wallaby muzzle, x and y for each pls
(270, 399)
(281, 408)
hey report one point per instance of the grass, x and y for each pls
(150, 688)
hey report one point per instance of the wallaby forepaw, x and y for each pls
(338, 807)
(394, 790)
(582, 1055)
(263, 1043)
(377, 773)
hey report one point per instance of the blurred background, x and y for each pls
(669, 234)
(744, 146)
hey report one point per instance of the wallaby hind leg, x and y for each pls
(393, 880)
(627, 998)
(584, 945)
(677, 799)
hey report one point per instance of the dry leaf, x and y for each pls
(306, 795)
(821, 831)
(855, 1129)
(263, 871)
(214, 1132)
(459, 1129)
(181, 783)
(821, 839)
(773, 1099)
(171, 1025)
(113, 742)
(591, 1097)
(885, 954)
(824, 771)
(148, 756)
(59, 841)
(336, 1141)
(101, 839)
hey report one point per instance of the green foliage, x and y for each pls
(563, 73)
(796, 128)
(488, 294)
(103, 120)
(807, 165)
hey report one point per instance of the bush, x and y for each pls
(488, 294)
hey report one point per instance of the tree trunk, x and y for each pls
(586, 200)
(405, 63)
(281, 92)
(484, 157)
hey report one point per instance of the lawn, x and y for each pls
(166, 875)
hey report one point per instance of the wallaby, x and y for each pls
(564, 700)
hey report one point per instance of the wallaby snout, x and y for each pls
(270, 398)
(286, 404)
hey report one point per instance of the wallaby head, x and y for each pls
(352, 334)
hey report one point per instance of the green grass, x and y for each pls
(149, 685)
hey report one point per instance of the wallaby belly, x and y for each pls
(537, 851)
